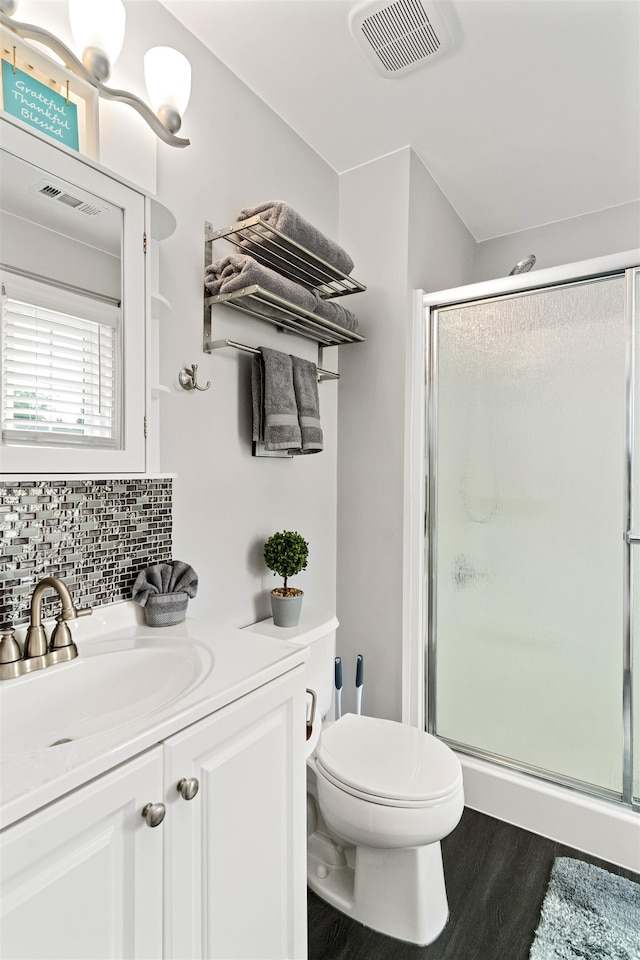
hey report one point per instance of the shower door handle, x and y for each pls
(630, 538)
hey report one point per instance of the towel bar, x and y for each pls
(218, 344)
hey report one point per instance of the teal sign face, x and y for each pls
(39, 106)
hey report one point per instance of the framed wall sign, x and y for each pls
(46, 97)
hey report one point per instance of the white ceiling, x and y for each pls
(532, 117)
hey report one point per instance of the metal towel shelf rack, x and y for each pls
(276, 250)
(282, 254)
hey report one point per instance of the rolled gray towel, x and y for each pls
(305, 385)
(275, 412)
(283, 217)
(239, 270)
(161, 578)
(336, 313)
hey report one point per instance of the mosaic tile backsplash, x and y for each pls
(94, 534)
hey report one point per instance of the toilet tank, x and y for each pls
(317, 631)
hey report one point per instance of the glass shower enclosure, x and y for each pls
(534, 515)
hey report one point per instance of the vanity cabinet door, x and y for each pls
(81, 878)
(235, 855)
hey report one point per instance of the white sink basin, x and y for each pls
(110, 684)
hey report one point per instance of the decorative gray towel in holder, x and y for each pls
(164, 589)
(284, 218)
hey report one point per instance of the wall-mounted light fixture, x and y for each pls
(98, 31)
(167, 74)
(98, 34)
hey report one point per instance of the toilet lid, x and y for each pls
(389, 760)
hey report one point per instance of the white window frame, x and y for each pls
(91, 319)
(131, 457)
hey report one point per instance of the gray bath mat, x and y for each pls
(588, 914)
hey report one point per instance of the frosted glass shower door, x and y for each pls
(528, 507)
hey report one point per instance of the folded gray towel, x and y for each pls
(305, 385)
(336, 313)
(239, 270)
(285, 218)
(275, 412)
(174, 577)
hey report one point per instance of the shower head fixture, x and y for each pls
(523, 266)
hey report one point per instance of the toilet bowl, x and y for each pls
(381, 797)
(391, 793)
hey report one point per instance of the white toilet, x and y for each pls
(381, 797)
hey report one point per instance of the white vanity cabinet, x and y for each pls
(221, 877)
(82, 877)
(235, 881)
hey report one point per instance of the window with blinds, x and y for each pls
(60, 366)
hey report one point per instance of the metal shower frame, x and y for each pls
(517, 286)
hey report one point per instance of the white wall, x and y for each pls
(402, 232)
(442, 251)
(225, 501)
(566, 241)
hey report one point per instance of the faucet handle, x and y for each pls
(10, 655)
(61, 636)
(61, 645)
(83, 611)
(9, 647)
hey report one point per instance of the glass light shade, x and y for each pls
(98, 24)
(167, 74)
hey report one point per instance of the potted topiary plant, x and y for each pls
(286, 554)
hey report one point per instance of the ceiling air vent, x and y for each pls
(400, 36)
(53, 191)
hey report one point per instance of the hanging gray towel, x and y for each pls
(161, 578)
(275, 412)
(305, 385)
(286, 219)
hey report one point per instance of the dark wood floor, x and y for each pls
(496, 878)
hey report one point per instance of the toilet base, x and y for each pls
(398, 892)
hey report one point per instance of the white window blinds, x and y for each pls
(59, 366)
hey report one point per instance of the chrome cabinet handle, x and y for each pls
(188, 788)
(153, 814)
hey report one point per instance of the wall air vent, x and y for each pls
(46, 188)
(400, 36)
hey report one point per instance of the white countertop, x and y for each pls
(232, 662)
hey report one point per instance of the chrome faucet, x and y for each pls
(37, 654)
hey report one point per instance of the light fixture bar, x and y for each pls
(29, 31)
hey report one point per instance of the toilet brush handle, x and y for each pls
(359, 682)
(338, 683)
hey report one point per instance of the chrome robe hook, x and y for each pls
(188, 378)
